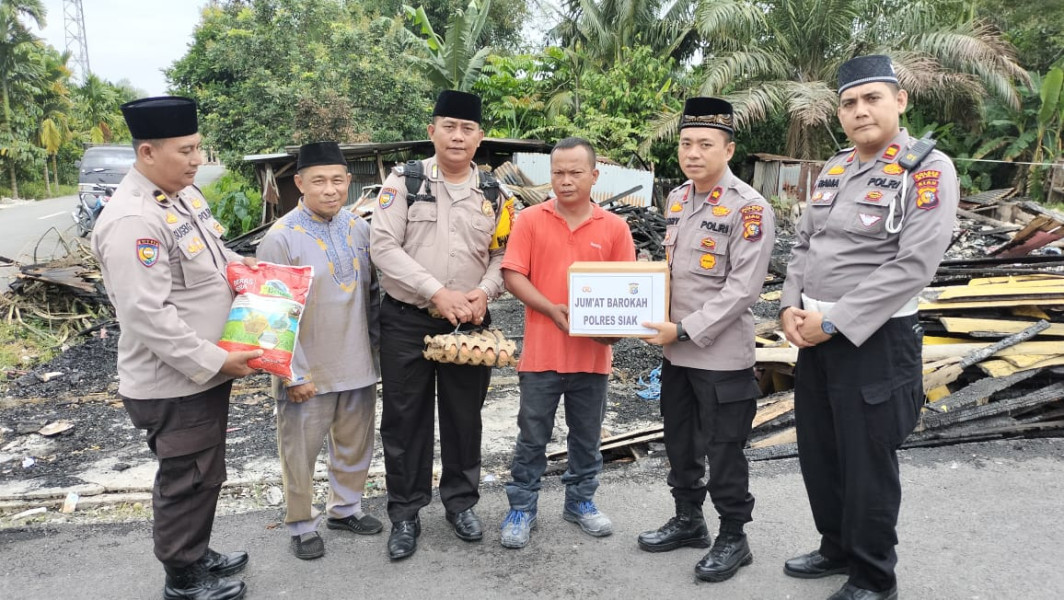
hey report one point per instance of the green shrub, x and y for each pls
(235, 202)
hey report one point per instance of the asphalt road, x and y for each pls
(979, 522)
(23, 224)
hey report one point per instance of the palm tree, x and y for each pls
(453, 61)
(782, 56)
(13, 37)
(55, 104)
(98, 103)
(604, 28)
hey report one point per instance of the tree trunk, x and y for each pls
(14, 178)
(55, 173)
(10, 135)
(47, 180)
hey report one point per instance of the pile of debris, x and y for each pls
(59, 299)
(994, 335)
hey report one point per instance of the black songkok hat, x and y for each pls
(458, 105)
(866, 69)
(320, 153)
(161, 117)
(708, 112)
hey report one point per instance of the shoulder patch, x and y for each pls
(927, 188)
(148, 251)
(752, 218)
(387, 197)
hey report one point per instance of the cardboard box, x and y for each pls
(611, 299)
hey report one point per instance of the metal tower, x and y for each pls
(76, 42)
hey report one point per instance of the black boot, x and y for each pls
(728, 554)
(195, 582)
(687, 528)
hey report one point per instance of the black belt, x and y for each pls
(402, 304)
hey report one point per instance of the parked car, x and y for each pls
(105, 165)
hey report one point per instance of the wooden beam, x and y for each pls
(968, 325)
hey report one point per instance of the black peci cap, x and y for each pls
(708, 112)
(320, 153)
(457, 105)
(866, 69)
(161, 117)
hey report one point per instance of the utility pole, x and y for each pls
(76, 42)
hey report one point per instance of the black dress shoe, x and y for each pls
(466, 525)
(687, 528)
(196, 583)
(729, 553)
(814, 566)
(221, 565)
(852, 592)
(403, 540)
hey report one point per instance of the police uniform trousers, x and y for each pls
(345, 421)
(187, 434)
(410, 384)
(853, 407)
(709, 414)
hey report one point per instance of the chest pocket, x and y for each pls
(421, 223)
(197, 266)
(819, 208)
(477, 212)
(870, 215)
(709, 255)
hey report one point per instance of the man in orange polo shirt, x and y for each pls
(553, 364)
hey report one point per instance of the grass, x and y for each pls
(35, 190)
(19, 349)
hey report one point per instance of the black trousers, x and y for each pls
(709, 413)
(854, 406)
(410, 384)
(187, 434)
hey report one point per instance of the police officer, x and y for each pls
(877, 225)
(439, 250)
(718, 239)
(163, 263)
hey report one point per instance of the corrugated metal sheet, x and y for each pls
(613, 179)
(785, 179)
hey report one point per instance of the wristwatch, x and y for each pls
(681, 335)
(828, 327)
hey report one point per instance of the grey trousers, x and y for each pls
(345, 420)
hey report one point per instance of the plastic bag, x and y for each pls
(266, 312)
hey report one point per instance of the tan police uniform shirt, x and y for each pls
(426, 246)
(163, 263)
(718, 246)
(845, 253)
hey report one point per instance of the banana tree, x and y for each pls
(452, 61)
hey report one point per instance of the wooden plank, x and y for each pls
(1032, 280)
(1045, 395)
(926, 306)
(969, 325)
(978, 391)
(931, 353)
(787, 436)
(1003, 368)
(774, 410)
(1000, 292)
